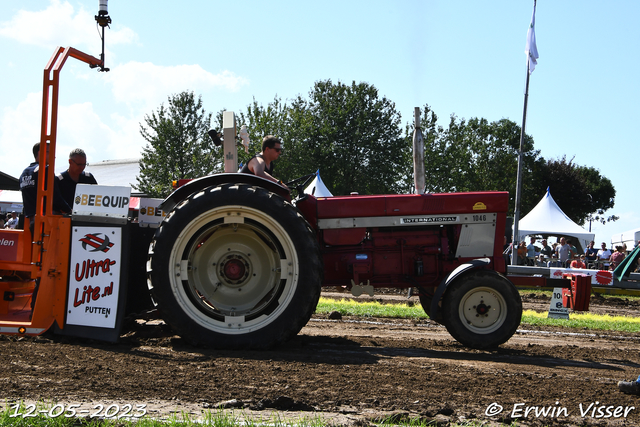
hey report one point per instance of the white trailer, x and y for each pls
(630, 238)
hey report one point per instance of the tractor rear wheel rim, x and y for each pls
(234, 267)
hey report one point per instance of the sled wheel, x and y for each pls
(482, 309)
(235, 266)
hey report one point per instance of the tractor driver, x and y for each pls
(262, 164)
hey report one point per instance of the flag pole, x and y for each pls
(532, 54)
(516, 213)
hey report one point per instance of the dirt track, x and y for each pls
(352, 370)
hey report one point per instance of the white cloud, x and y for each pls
(126, 142)
(19, 130)
(124, 35)
(78, 126)
(60, 25)
(144, 86)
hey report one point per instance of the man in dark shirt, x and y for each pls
(74, 175)
(546, 249)
(591, 252)
(29, 188)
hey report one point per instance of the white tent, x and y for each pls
(547, 218)
(317, 187)
(10, 201)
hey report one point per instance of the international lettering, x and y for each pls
(429, 219)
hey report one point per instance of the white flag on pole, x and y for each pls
(531, 50)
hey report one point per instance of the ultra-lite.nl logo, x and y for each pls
(96, 242)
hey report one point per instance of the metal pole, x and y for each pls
(418, 155)
(516, 213)
(102, 54)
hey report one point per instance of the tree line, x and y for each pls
(356, 138)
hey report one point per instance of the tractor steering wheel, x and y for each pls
(299, 183)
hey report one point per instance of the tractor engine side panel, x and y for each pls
(407, 240)
(385, 256)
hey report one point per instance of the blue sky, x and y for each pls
(461, 57)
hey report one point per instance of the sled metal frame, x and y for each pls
(540, 277)
(43, 257)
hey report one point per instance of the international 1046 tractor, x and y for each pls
(235, 262)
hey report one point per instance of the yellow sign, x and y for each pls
(479, 207)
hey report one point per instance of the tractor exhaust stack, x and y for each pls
(418, 155)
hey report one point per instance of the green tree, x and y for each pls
(177, 145)
(601, 194)
(262, 121)
(352, 135)
(347, 131)
(580, 191)
(478, 155)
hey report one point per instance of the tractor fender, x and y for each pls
(200, 184)
(455, 274)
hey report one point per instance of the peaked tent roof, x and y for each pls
(548, 218)
(317, 187)
(7, 182)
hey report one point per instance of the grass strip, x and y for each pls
(602, 322)
(370, 309)
(214, 418)
(621, 296)
(407, 311)
(23, 415)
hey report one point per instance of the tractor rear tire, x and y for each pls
(482, 309)
(236, 267)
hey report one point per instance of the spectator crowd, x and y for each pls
(564, 254)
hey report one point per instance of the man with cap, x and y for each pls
(546, 249)
(13, 221)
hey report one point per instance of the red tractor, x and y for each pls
(237, 263)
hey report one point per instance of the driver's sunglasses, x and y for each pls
(279, 150)
(80, 164)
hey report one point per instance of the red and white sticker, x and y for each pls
(598, 277)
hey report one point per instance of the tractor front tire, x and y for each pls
(482, 309)
(236, 267)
